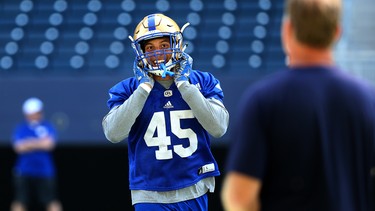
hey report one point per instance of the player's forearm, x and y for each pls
(31, 144)
(211, 114)
(240, 192)
(229, 206)
(118, 122)
(45, 143)
(21, 148)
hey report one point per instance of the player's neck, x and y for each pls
(159, 78)
(307, 56)
(165, 83)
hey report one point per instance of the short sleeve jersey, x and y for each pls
(37, 163)
(168, 149)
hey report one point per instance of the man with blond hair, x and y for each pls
(305, 137)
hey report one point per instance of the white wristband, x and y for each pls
(179, 83)
(146, 87)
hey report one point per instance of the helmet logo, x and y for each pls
(151, 23)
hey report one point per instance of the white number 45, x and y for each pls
(157, 124)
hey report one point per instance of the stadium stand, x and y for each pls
(65, 36)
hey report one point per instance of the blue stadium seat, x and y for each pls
(99, 59)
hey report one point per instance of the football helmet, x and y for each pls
(155, 26)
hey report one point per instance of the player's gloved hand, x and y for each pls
(142, 75)
(183, 71)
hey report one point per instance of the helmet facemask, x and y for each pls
(157, 61)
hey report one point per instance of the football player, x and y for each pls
(167, 112)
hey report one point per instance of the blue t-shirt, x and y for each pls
(308, 135)
(168, 149)
(37, 163)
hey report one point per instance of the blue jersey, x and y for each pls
(308, 135)
(38, 163)
(167, 147)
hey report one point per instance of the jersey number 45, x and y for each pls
(162, 141)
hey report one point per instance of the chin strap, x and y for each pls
(165, 71)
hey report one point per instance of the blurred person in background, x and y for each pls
(34, 171)
(168, 112)
(305, 136)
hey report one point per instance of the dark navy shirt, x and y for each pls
(308, 135)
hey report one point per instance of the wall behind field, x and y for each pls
(92, 178)
(77, 105)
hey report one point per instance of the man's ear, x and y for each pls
(286, 35)
(338, 33)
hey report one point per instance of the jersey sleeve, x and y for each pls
(207, 84)
(121, 92)
(17, 134)
(52, 132)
